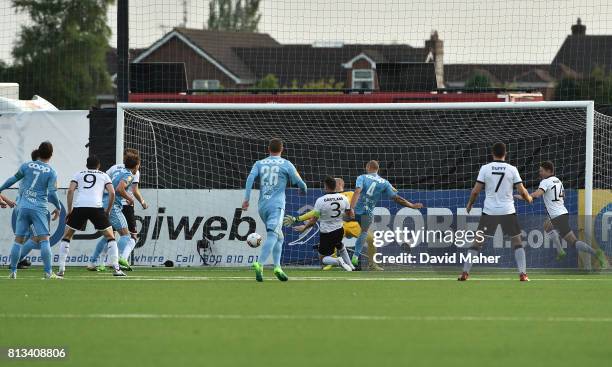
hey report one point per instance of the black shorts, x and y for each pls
(509, 223)
(77, 220)
(330, 241)
(561, 224)
(128, 212)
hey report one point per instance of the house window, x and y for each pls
(205, 84)
(363, 79)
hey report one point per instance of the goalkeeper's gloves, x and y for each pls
(289, 220)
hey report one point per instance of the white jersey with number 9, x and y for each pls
(90, 188)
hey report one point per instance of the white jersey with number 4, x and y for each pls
(135, 181)
(553, 196)
(499, 179)
(91, 184)
(331, 208)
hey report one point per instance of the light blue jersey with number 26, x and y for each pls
(274, 174)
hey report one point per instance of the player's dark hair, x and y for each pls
(35, 155)
(275, 145)
(93, 162)
(131, 161)
(330, 183)
(548, 165)
(131, 151)
(499, 150)
(45, 150)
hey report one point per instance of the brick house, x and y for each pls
(216, 59)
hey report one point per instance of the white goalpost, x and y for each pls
(200, 155)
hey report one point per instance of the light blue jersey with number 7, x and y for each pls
(274, 174)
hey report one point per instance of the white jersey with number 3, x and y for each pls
(331, 208)
(499, 179)
(90, 188)
(553, 196)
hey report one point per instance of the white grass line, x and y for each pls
(108, 277)
(430, 318)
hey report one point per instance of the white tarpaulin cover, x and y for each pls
(22, 132)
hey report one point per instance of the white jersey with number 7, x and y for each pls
(499, 179)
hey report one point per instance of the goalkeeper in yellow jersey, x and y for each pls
(352, 229)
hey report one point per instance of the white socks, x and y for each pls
(330, 260)
(467, 266)
(556, 240)
(113, 254)
(64, 249)
(128, 249)
(345, 256)
(521, 262)
(583, 247)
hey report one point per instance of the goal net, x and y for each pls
(196, 157)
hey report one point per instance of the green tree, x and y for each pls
(596, 87)
(269, 81)
(234, 15)
(61, 54)
(478, 81)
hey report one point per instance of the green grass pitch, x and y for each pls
(222, 317)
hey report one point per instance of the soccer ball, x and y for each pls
(254, 240)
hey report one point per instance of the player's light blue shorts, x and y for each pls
(364, 220)
(273, 218)
(117, 218)
(32, 221)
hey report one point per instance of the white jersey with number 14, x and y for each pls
(553, 196)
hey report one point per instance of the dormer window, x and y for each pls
(363, 79)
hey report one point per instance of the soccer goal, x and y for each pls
(196, 157)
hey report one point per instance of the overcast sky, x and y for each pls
(474, 31)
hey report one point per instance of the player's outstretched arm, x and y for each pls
(290, 220)
(354, 199)
(536, 194)
(249, 186)
(403, 202)
(474, 195)
(3, 203)
(302, 227)
(138, 195)
(296, 179)
(524, 193)
(70, 196)
(111, 197)
(11, 181)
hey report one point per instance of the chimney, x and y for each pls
(436, 47)
(578, 29)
